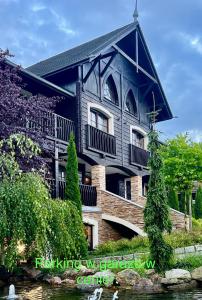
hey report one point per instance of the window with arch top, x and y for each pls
(110, 91)
(131, 106)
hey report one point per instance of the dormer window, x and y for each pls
(99, 120)
(110, 91)
(137, 139)
(131, 106)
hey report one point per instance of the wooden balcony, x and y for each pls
(88, 192)
(52, 125)
(139, 156)
(100, 141)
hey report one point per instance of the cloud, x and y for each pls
(62, 24)
(196, 135)
(194, 41)
(38, 7)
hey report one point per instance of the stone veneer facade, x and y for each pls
(112, 209)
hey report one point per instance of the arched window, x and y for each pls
(131, 106)
(110, 91)
(99, 120)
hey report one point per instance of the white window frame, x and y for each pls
(103, 111)
(141, 131)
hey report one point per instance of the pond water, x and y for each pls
(70, 294)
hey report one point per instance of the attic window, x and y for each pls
(131, 106)
(110, 91)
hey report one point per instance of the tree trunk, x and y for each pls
(190, 212)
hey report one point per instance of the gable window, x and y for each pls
(131, 106)
(99, 120)
(137, 139)
(110, 91)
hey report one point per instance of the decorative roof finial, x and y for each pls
(135, 15)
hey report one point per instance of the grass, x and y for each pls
(189, 263)
(176, 239)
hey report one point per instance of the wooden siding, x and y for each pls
(125, 78)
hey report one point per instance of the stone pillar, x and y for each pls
(98, 176)
(136, 188)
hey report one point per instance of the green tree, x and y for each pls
(182, 206)
(198, 204)
(72, 178)
(29, 216)
(156, 212)
(183, 165)
(173, 199)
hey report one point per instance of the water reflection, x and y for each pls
(36, 292)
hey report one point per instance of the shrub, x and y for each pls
(29, 216)
(176, 239)
(190, 262)
(66, 232)
(23, 216)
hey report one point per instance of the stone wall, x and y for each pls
(178, 219)
(119, 207)
(108, 232)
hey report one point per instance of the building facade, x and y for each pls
(108, 87)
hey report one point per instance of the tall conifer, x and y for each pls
(72, 178)
(156, 213)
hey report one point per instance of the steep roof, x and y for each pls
(79, 53)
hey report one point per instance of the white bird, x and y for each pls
(115, 296)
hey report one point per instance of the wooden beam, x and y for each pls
(91, 69)
(101, 56)
(134, 63)
(108, 64)
(137, 49)
(148, 90)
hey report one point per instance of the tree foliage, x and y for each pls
(156, 213)
(173, 199)
(182, 162)
(29, 216)
(198, 204)
(18, 110)
(72, 178)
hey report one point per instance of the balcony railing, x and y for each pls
(88, 192)
(100, 141)
(52, 125)
(139, 156)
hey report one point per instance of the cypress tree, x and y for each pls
(156, 212)
(173, 199)
(72, 191)
(198, 204)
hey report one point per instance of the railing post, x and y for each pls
(56, 172)
(55, 126)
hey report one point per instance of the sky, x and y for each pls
(34, 30)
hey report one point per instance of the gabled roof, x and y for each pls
(94, 48)
(79, 53)
(40, 80)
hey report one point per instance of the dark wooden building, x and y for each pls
(108, 86)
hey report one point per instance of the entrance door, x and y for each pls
(127, 188)
(89, 235)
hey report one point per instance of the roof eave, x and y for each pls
(42, 80)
